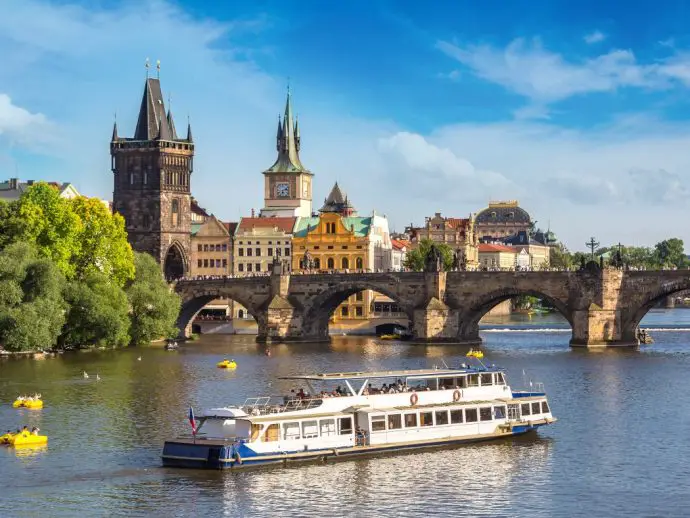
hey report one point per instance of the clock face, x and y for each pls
(283, 190)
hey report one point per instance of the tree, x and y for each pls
(560, 258)
(98, 313)
(154, 307)
(670, 252)
(416, 259)
(12, 226)
(32, 310)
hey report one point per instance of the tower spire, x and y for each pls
(287, 138)
(189, 131)
(115, 137)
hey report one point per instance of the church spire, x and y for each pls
(287, 143)
(189, 132)
(115, 137)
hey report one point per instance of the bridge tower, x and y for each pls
(151, 183)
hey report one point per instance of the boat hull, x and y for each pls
(209, 455)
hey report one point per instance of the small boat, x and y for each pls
(171, 345)
(227, 364)
(33, 403)
(23, 439)
(394, 336)
(368, 414)
(475, 354)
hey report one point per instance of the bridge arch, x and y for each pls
(317, 314)
(631, 320)
(175, 263)
(468, 329)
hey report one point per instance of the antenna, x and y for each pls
(158, 69)
(147, 65)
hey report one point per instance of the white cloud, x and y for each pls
(594, 37)
(19, 123)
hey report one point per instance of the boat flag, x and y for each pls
(192, 421)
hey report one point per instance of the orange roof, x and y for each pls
(488, 247)
(457, 222)
(399, 244)
(284, 224)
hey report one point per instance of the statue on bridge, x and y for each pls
(459, 261)
(433, 259)
(307, 261)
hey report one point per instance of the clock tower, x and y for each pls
(287, 183)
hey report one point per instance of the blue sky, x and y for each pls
(579, 110)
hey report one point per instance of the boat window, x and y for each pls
(471, 415)
(499, 412)
(410, 420)
(327, 427)
(256, 431)
(378, 423)
(487, 379)
(272, 433)
(394, 421)
(421, 384)
(441, 417)
(544, 407)
(309, 429)
(499, 379)
(461, 382)
(447, 383)
(485, 413)
(456, 416)
(426, 419)
(524, 409)
(291, 431)
(536, 408)
(345, 425)
(473, 380)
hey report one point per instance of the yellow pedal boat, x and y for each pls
(34, 404)
(23, 439)
(227, 364)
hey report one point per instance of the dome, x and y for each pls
(502, 212)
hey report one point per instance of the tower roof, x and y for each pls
(171, 124)
(337, 202)
(288, 146)
(153, 121)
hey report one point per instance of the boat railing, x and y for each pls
(263, 405)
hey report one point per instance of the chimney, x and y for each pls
(252, 213)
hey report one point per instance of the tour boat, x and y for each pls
(369, 413)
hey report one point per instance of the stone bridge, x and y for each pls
(604, 307)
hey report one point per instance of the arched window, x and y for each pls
(240, 313)
(345, 264)
(359, 263)
(331, 263)
(175, 212)
(317, 263)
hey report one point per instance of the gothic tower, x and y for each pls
(287, 183)
(152, 173)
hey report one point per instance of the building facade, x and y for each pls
(496, 257)
(287, 183)
(258, 241)
(458, 233)
(152, 175)
(211, 248)
(12, 189)
(538, 253)
(502, 219)
(399, 249)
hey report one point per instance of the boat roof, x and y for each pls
(420, 373)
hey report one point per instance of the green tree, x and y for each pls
(154, 306)
(32, 310)
(98, 313)
(670, 252)
(12, 226)
(103, 246)
(416, 259)
(559, 257)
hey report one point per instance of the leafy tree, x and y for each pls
(154, 307)
(560, 258)
(31, 307)
(103, 246)
(12, 226)
(416, 259)
(670, 252)
(98, 313)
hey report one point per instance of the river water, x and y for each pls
(620, 448)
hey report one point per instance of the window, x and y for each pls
(291, 431)
(272, 433)
(344, 247)
(394, 421)
(198, 248)
(225, 263)
(327, 427)
(359, 311)
(270, 242)
(378, 423)
(249, 252)
(345, 263)
(258, 267)
(524, 409)
(175, 212)
(199, 263)
(456, 416)
(410, 420)
(224, 247)
(317, 262)
(240, 267)
(487, 379)
(359, 297)
(536, 408)
(473, 380)
(256, 430)
(287, 252)
(205, 263)
(499, 412)
(359, 263)
(131, 178)
(441, 417)
(240, 252)
(309, 429)
(330, 247)
(545, 407)
(485, 413)
(205, 248)
(258, 252)
(345, 425)
(270, 252)
(426, 419)
(331, 263)
(359, 247)
(249, 267)
(498, 379)
(471, 415)
(344, 311)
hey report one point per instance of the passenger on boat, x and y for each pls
(340, 391)
(35, 430)
(301, 394)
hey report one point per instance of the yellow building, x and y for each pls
(458, 233)
(496, 257)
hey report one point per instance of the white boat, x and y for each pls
(370, 413)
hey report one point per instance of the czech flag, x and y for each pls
(192, 421)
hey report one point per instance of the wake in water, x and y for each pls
(568, 330)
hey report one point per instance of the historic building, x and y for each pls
(496, 257)
(458, 233)
(336, 241)
(399, 249)
(211, 248)
(287, 183)
(12, 189)
(538, 252)
(199, 214)
(502, 219)
(152, 174)
(259, 240)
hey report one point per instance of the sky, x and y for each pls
(579, 110)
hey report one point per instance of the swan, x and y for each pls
(86, 376)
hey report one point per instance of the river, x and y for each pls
(620, 447)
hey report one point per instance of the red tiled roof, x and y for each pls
(284, 224)
(457, 222)
(488, 247)
(399, 244)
